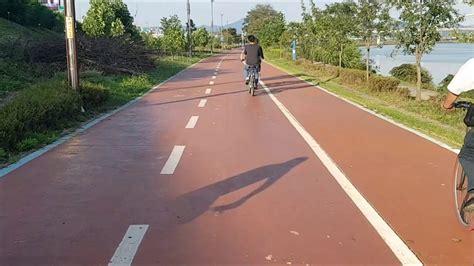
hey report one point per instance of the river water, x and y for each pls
(446, 58)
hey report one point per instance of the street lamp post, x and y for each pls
(190, 38)
(71, 48)
(212, 26)
(222, 26)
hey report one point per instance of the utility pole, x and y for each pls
(71, 48)
(190, 38)
(212, 26)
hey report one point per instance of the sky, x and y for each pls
(149, 12)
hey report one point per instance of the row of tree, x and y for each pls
(111, 18)
(332, 35)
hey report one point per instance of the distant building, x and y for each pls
(51, 4)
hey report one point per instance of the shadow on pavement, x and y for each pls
(191, 205)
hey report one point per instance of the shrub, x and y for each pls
(445, 82)
(3, 155)
(46, 106)
(407, 72)
(93, 94)
(380, 83)
(352, 77)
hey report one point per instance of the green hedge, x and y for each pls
(43, 107)
(380, 83)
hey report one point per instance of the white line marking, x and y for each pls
(173, 160)
(128, 247)
(398, 247)
(214, 77)
(192, 122)
(208, 91)
(202, 103)
(387, 119)
(28, 158)
(211, 82)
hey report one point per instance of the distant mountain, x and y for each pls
(237, 25)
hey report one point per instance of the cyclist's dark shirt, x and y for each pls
(254, 54)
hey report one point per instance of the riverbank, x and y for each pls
(425, 116)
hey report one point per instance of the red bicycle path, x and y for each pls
(247, 190)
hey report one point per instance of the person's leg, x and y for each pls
(257, 73)
(466, 157)
(246, 74)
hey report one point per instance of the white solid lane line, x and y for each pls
(192, 122)
(202, 103)
(393, 241)
(173, 160)
(127, 249)
(208, 91)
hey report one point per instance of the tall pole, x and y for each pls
(190, 38)
(222, 25)
(212, 26)
(71, 48)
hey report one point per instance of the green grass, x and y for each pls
(121, 88)
(425, 116)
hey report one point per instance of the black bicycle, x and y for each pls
(253, 82)
(461, 181)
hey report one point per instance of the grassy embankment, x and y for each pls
(37, 107)
(425, 116)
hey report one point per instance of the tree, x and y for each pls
(337, 27)
(230, 36)
(258, 17)
(109, 18)
(420, 23)
(201, 37)
(374, 21)
(189, 37)
(271, 32)
(173, 35)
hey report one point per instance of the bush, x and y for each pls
(353, 77)
(407, 72)
(445, 82)
(380, 83)
(320, 69)
(3, 155)
(93, 94)
(46, 106)
(35, 141)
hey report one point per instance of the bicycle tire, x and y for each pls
(460, 194)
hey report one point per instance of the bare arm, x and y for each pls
(243, 56)
(449, 101)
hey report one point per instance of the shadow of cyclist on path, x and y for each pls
(191, 205)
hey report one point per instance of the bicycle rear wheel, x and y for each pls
(252, 85)
(460, 194)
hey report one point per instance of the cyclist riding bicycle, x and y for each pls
(463, 81)
(252, 55)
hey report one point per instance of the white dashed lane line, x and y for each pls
(192, 122)
(211, 82)
(202, 103)
(128, 247)
(208, 91)
(173, 160)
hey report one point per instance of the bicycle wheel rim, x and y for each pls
(460, 193)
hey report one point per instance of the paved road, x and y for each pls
(199, 172)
